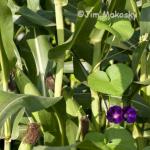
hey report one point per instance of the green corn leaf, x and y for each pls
(145, 19)
(6, 32)
(84, 26)
(7, 46)
(34, 17)
(11, 103)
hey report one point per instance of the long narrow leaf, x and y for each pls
(10, 103)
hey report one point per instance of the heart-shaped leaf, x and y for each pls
(94, 141)
(97, 139)
(119, 139)
(114, 81)
(121, 28)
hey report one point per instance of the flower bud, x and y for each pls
(84, 125)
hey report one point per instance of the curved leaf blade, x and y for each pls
(10, 103)
(34, 17)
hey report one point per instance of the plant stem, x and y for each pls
(144, 74)
(43, 85)
(60, 62)
(59, 77)
(95, 106)
(7, 131)
(7, 145)
(97, 54)
(96, 40)
(5, 75)
(7, 126)
(78, 132)
(148, 75)
(60, 36)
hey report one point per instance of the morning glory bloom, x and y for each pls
(115, 114)
(129, 114)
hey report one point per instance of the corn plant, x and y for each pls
(74, 74)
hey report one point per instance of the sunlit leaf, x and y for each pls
(114, 81)
(120, 28)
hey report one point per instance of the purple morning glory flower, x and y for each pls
(115, 114)
(129, 114)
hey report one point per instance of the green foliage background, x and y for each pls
(57, 66)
